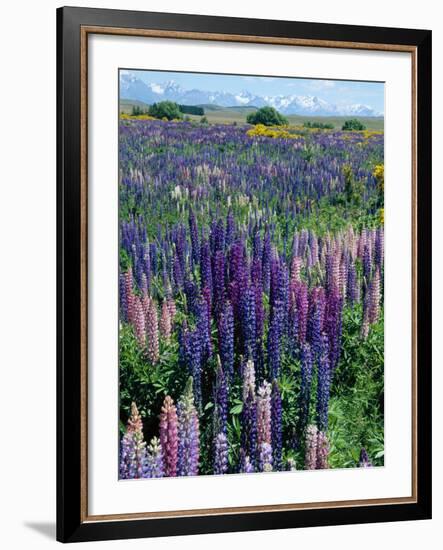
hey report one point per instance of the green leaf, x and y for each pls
(237, 409)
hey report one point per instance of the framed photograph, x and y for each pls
(244, 274)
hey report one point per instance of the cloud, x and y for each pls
(259, 78)
(319, 85)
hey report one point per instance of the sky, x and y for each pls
(339, 92)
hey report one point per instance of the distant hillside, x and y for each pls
(126, 105)
(237, 114)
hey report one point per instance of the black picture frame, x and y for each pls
(71, 525)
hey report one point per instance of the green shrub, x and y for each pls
(191, 110)
(137, 111)
(319, 125)
(165, 109)
(267, 116)
(353, 124)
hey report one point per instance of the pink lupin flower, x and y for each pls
(139, 322)
(362, 242)
(365, 324)
(248, 379)
(135, 423)
(129, 294)
(343, 277)
(264, 413)
(172, 308)
(165, 321)
(152, 332)
(295, 269)
(169, 436)
(322, 451)
(144, 284)
(146, 301)
(311, 447)
(333, 272)
(374, 298)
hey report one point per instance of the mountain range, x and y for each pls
(134, 88)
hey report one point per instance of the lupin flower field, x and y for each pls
(251, 298)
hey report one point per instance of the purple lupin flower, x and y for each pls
(266, 261)
(189, 433)
(226, 339)
(203, 326)
(249, 426)
(193, 230)
(133, 448)
(293, 327)
(274, 340)
(315, 326)
(129, 296)
(154, 459)
(364, 459)
(333, 327)
(169, 436)
(311, 447)
(353, 291)
(183, 344)
(128, 465)
(123, 300)
(379, 247)
(322, 451)
(259, 326)
(323, 385)
(367, 267)
(205, 266)
(246, 467)
(302, 303)
(178, 273)
(219, 282)
(257, 246)
(192, 296)
(220, 415)
(247, 302)
(230, 228)
(220, 454)
(265, 457)
(276, 425)
(305, 386)
(194, 361)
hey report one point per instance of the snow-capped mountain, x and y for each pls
(134, 88)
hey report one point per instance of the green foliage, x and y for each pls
(203, 120)
(353, 124)
(137, 111)
(191, 110)
(165, 109)
(353, 189)
(356, 411)
(319, 125)
(267, 116)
